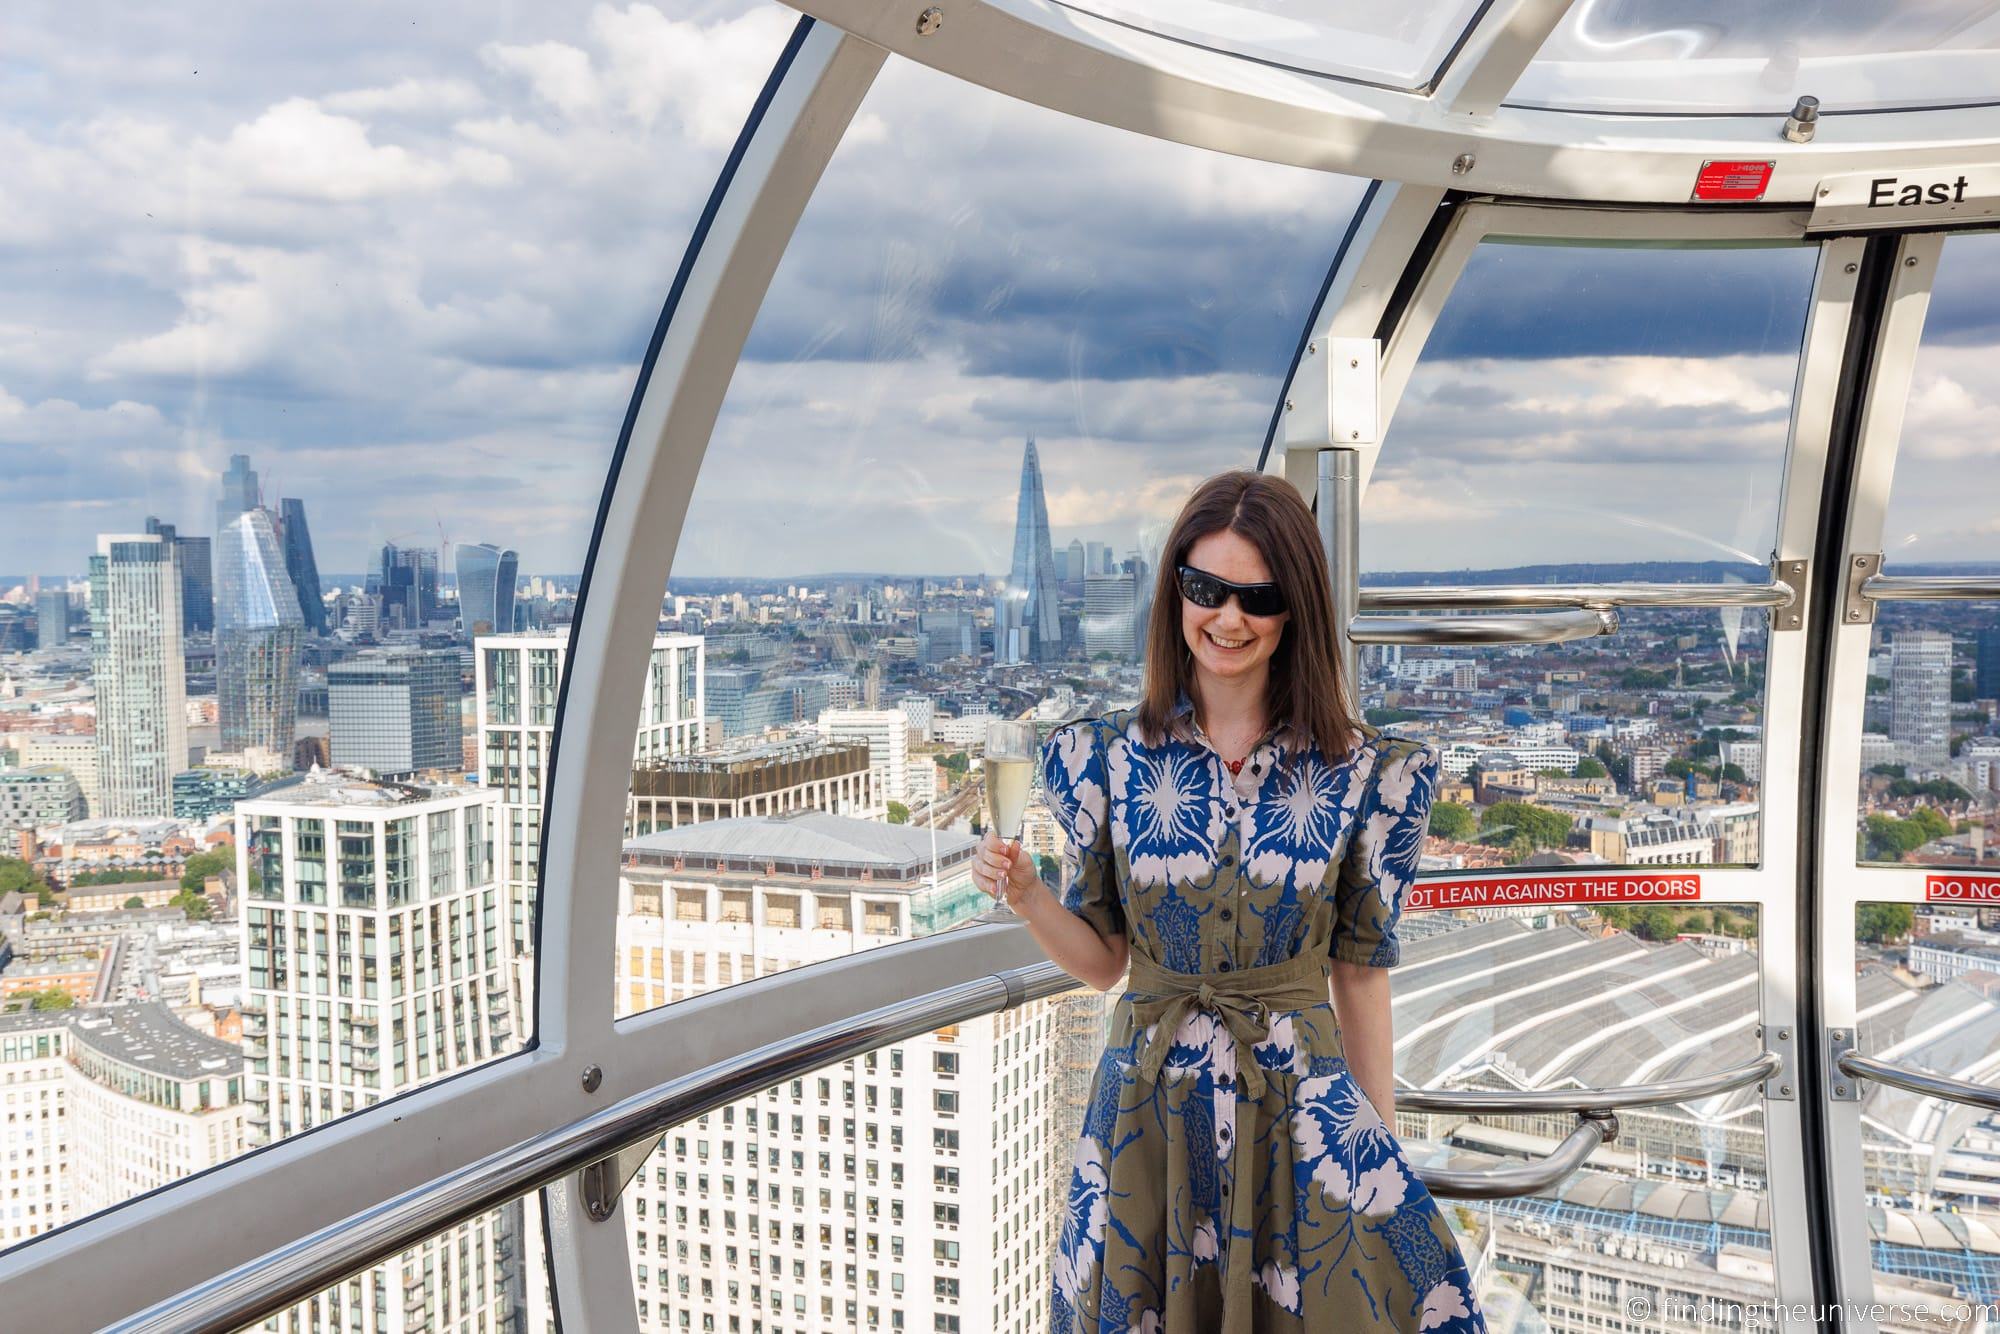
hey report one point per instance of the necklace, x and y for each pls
(1235, 766)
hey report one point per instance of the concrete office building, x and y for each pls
(75, 754)
(396, 711)
(376, 960)
(887, 732)
(760, 778)
(30, 798)
(136, 666)
(150, 1101)
(904, 1189)
(34, 1052)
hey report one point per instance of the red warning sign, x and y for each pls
(1962, 888)
(1732, 182)
(1543, 890)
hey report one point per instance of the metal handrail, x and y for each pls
(1453, 597)
(1523, 1102)
(1927, 588)
(1548, 627)
(1858, 1066)
(1506, 1183)
(262, 1287)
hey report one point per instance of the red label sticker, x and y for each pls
(1962, 888)
(1536, 891)
(1722, 182)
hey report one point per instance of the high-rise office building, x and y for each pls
(257, 632)
(300, 566)
(486, 578)
(1111, 616)
(1985, 664)
(1075, 570)
(52, 617)
(934, 1154)
(516, 682)
(136, 666)
(408, 583)
(396, 712)
(197, 576)
(375, 961)
(73, 753)
(1920, 695)
(1097, 557)
(1027, 624)
(887, 732)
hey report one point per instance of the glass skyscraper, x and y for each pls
(486, 578)
(257, 633)
(135, 651)
(1028, 623)
(197, 577)
(300, 567)
(409, 586)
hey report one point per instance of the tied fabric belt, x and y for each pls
(1244, 1000)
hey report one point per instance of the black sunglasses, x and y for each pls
(1205, 590)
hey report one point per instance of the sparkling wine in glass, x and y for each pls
(1010, 774)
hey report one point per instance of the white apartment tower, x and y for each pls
(517, 679)
(911, 1188)
(136, 667)
(375, 952)
(887, 732)
(34, 1050)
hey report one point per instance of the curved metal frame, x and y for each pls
(1096, 69)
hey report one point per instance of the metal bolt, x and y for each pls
(930, 21)
(1312, 347)
(1860, 562)
(1784, 1035)
(1910, 263)
(1354, 362)
(1854, 615)
(1288, 405)
(1355, 436)
(1463, 163)
(1798, 566)
(1840, 1090)
(1839, 1034)
(1784, 1090)
(1824, 191)
(1851, 268)
(592, 1077)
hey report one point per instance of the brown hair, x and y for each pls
(1306, 694)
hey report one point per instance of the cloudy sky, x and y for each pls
(409, 266)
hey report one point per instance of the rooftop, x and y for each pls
(804, 836)
(335, 787)
(147, 1036)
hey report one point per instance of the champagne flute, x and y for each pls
(1009, 767)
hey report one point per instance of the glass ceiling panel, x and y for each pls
(1393, 46)
(1761, 55)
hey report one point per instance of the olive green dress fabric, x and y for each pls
(1231, 1176)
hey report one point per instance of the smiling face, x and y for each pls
(1227, 645)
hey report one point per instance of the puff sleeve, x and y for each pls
(1076, 789)
(1383, 851)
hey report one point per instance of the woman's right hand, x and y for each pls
(1006, 871)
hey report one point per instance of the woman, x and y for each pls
(1243, 843)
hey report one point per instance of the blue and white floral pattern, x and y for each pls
(1200, 874)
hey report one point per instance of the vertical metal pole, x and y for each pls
(1340, 541)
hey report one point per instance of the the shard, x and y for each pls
(1027, 624)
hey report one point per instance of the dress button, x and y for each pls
(1228, 859)
(1226, 914)
(1223, 966)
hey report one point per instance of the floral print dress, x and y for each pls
(1204, 874)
